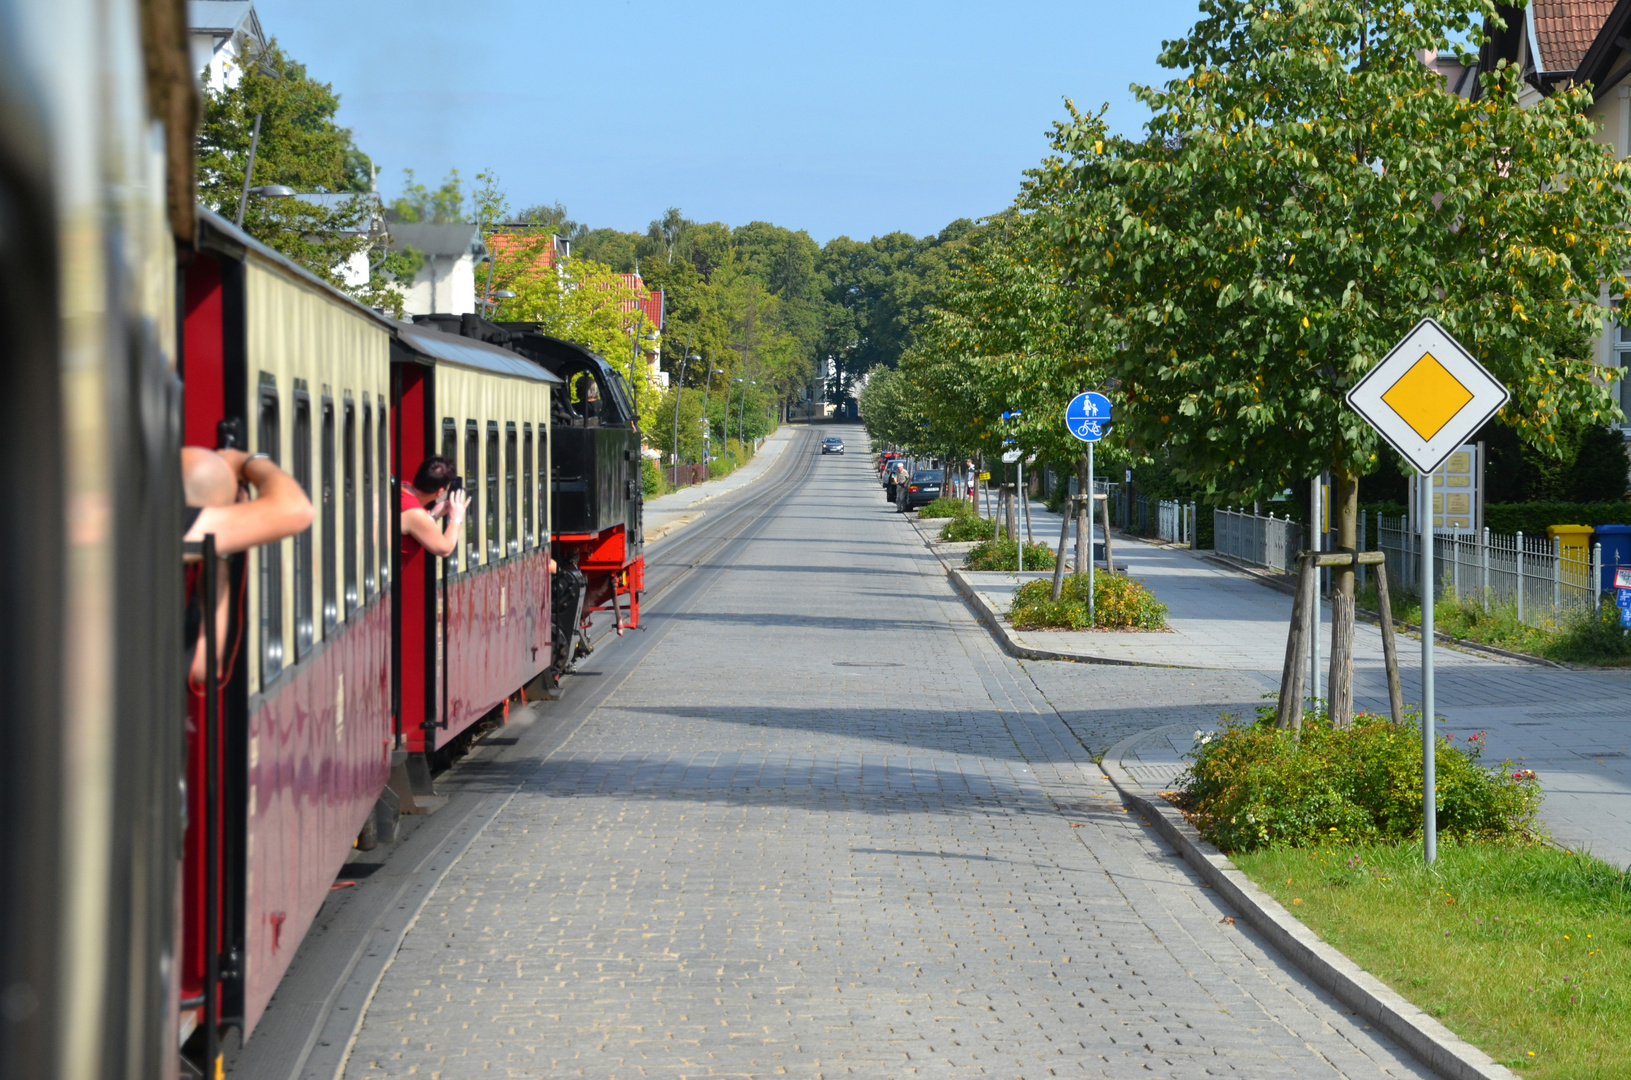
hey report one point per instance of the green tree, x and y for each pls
(443, 205)
(1305, 192)
(301, 146)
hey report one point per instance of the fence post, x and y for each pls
(1557, 575)
(1364, 534)
(1597, 573)
(1520, 575)
(1483, 556)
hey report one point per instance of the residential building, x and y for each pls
(1556, 44)
(446, 283)
(223, 33)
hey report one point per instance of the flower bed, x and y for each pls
(1253, 785)
(1119, 603)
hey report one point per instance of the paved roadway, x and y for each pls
(814, 823)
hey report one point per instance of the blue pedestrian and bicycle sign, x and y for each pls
(1088, 416)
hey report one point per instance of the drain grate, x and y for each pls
(863, 663)
(1600, 754)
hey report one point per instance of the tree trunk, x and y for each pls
(1340, 680)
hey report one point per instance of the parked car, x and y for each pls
(884, 460)
(832, 444)
(921, 489)
(893, 476)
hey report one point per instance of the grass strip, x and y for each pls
(1522, 950)
(1579, 635)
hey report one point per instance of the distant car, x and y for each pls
(921, 489)
(832, 445)
(893, 476)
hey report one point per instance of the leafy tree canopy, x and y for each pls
(301, 146)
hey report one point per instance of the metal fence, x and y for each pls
(1536, 574)
(1262, 541)
(1175, 522)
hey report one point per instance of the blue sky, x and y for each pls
(839, 118)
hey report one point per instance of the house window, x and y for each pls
(304, 630)
(1622, 359)
(270, 556)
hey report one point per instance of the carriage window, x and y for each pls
(331, 523)
(542, 486)
(385, 518)
(472, 490)
(269, 557)
(450, 450)
(495, 548)
(348, 493)
(529, 537)
(512, 534)
(369, 539)
(304, 631)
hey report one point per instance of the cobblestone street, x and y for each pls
(826, 828)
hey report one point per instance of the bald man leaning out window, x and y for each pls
(213, 483)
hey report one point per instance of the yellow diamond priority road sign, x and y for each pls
(1427, 396)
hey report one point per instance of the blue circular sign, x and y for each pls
(1088, 416)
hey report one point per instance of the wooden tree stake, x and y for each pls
(1390, 651)
(1292, 678)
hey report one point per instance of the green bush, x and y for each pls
(1119, 603)
(967, 527)
(1003, 554)
(945, 508)
(653, 481)
(1255, 785)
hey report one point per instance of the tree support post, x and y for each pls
(1059, 556)
(1012, 529)
(1390, 649)
(1290, 712)
(1109, 560)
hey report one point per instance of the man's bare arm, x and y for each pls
(280, 510)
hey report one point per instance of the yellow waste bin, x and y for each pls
(1575, 541)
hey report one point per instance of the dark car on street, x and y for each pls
(921, 489)
(832, 444)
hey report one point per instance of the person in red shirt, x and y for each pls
(432, 496)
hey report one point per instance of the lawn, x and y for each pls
(1577, 636)
(1522, 950)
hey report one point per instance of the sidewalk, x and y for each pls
(677, 509)
(1572, 727)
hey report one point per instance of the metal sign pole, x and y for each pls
(1019, 541)
(1090, 616)
(1314, 542)
(1429, 781)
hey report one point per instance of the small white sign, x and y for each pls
(1427, 396)
(1010, 456)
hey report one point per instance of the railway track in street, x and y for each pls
(319, 1004)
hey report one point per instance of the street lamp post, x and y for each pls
(707, 428)
(679, 388)
(741, 415)
(635, 364)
